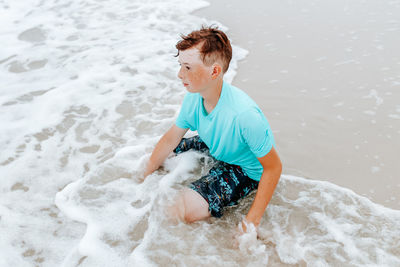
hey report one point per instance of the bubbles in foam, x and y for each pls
(79, 81)
(307, 222)
(321, 222)
(33, 35)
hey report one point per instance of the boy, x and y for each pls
(230, 126)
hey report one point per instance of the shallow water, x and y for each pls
(327, 75)
(86, 90)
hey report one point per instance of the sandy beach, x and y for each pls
(328, 78)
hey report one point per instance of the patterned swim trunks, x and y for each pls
(224, 185)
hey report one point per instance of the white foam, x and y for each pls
(374, 94)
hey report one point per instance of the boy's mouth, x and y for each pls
(185, 84)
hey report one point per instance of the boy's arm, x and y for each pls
(168, 142)
(269, 179)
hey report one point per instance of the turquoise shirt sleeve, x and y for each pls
(185, 115)
(256, 132)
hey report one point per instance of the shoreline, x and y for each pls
(332, 115)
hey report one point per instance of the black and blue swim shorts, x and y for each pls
(224, 185)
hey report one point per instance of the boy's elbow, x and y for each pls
(276, 169)
(279, 167)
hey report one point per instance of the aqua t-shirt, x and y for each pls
(236, 131)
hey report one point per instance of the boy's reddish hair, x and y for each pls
(213, 44)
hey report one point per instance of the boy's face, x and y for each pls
(194, 74)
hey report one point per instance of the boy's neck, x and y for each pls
(212, 95)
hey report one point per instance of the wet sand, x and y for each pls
(327, 75)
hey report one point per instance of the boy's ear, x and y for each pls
(216, 70)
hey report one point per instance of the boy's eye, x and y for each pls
(187, 67)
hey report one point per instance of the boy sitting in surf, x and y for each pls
(230, 126)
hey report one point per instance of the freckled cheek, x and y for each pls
(193, 78)
(197, 78)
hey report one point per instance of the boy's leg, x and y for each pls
(189, 206)
(224, 186)
(194, 143)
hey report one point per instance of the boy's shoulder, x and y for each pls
(240, 102)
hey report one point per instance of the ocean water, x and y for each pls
(327, 74)
(86, 90)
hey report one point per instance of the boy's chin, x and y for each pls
(190, 90)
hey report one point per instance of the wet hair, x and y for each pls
(212, 43)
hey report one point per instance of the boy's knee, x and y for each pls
(189, 207)
(176, 211)
(195, 206)
(189, 217)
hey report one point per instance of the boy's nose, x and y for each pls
(180, 74)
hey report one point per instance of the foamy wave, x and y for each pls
(307, 222)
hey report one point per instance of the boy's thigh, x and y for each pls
(194, 143)
(224, 186)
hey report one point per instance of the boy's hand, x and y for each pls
(165, 145)
(246, 226)
(147, 172)
(246, 235)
